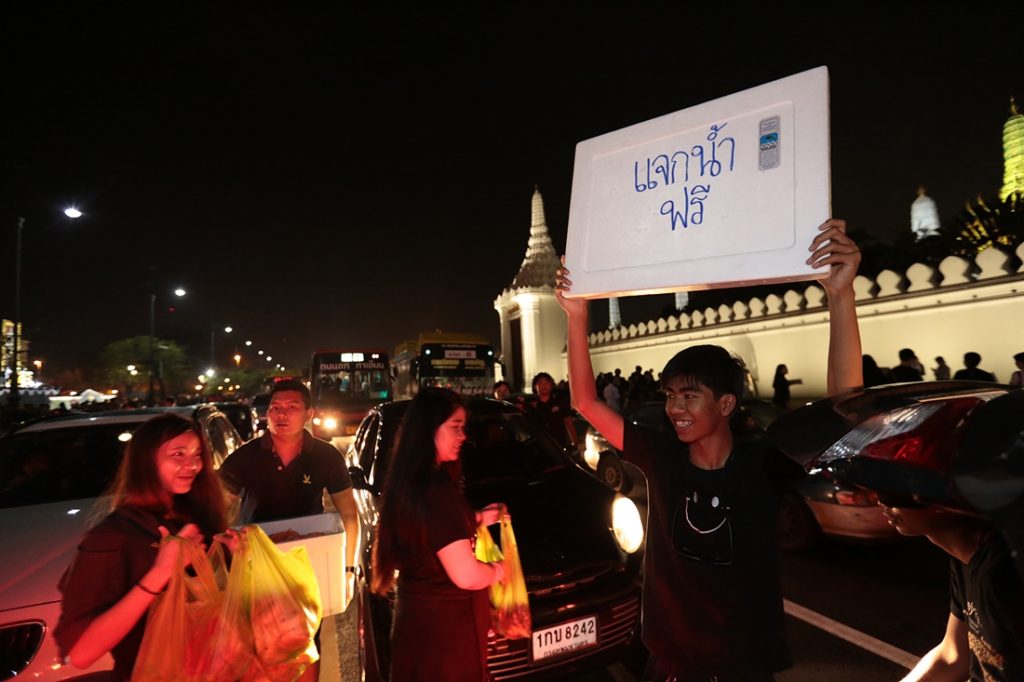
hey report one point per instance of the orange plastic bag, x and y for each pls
(284, 608)
(177, 620)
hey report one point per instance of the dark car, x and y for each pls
(953, 444)
(243, 417)
(572, 546)
(812, 506)
(51, 473)
(260, 403)
(900, 438)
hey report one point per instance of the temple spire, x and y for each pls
(541, 260)
(1013, 153)
(924, 216)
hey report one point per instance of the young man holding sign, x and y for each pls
(712, 608)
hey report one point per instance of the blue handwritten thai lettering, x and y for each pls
(692, 207)
(713, 166)
(669, 170)
(647, 184)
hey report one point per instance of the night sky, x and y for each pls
(327, 178)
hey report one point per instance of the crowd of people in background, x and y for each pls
(910, 368)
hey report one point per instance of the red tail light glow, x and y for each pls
(918, 435)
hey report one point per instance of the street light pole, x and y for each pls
(152, 349)
(14, 398)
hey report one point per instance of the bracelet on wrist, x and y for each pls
(146, 589)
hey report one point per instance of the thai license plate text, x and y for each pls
(561, 639)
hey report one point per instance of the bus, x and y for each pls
(462, 362)
(344, 385)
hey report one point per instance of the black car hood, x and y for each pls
(562, 523)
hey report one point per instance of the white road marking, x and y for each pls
(855, 637)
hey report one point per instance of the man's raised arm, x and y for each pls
(581, 371)
(833, 247)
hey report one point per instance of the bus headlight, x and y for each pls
(626, 524)
(330, 424)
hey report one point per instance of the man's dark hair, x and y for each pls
(538, 377)
(709, 365)
(907, 354)
(1019, 357)
(293, 385)
(500, 382)
(971, 359)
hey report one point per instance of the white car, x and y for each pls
(52, 473)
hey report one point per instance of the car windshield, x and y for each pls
(508, 445)
(60, 464)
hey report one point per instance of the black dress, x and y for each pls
(440, 630)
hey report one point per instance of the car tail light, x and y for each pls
(918, 435)
(18, 645)
(856, 498)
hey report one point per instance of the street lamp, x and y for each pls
(179, 292)
(14, 398)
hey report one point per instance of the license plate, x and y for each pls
(564, 638)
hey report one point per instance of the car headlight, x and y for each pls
(626, 524)
(591, 455)
(330, 423)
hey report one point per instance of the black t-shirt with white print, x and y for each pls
(712, 605)
(987, 595)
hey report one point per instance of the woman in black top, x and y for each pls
(165, 485)
(781, 385)
(426, 532)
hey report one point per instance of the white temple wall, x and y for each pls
(982, 313)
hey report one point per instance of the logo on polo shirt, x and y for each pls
(306, 479)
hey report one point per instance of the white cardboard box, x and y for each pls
(726, 193)
(326, 553)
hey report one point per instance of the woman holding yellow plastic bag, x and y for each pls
(426, 533)
(166, 485)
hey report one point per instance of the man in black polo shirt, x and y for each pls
(284, 473)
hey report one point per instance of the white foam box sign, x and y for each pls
(725, 193)
(326, 553)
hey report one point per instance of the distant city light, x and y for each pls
(269, 358)
(210, 372)
(72, 212)
(179, 292)
(259, 352)
(228, 330)
(124, 436)
(248, 343)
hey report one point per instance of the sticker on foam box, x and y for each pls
(323, 536)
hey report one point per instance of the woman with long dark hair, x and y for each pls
(165, 485)
(426, 534)
(781, 385)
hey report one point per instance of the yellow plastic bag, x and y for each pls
(178, 619)
(486, 550)
(511, 613)
(284, 608)
(226, 652)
